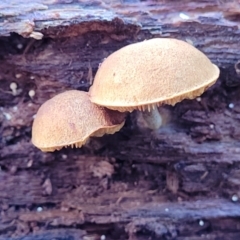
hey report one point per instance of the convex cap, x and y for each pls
(153, 72)
(69, 119)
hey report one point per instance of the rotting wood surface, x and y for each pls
(181, 182)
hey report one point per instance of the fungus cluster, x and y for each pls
(141, 76)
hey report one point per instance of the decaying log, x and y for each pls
(179, 182)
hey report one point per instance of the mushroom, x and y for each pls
(151, 73)
(69, 119)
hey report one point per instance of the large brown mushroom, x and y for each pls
(147, 74)
(69, 119)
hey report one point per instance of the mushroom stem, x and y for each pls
(152, 118)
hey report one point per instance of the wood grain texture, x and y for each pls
(180, 182)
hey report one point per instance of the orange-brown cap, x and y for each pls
(69, 119)
(153, 72)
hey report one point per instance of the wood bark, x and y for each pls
(180, 182)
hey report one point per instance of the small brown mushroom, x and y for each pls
(69, 119)
(147, 74)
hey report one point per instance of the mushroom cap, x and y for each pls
(69, 119)
(153, 72)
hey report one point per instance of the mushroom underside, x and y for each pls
(150, 111)
(78, 144)
(169, 101)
